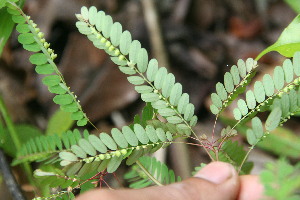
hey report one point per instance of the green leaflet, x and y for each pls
(160, 77)
(150, 131)
(250, 98)
(273, 119)
(115, 33)
(143, 89)
(26, 38)
(114, 164)
(150, 97)
(168, 85)
(135, 47)
(108, 141)
(68, 156)
(38, 59)
(268, 85)
(251, 138)
(242, 107)
(189, 111)
(51, 80)
(22, 28)
(125, 42)
(242, 68)
(235, 76)
(259, 91)
(84, 12)
(87, 147)
(161, 135)
(159, 104)
(228, 82)
(142, 60)
(175, 94)
(135, 80)
(257, 127)
(44, 69)
(78, 151)
(174, 120)
(106, 25)
(152, 69)
(216, 100)
(63, 99)
(97, 143)
(237, 114)
(182, 102)
(250, 64)
(34, 47)
(221, 91)
(296, 63)
(141, 134)
(119, 138)
(127, 70)
(130, 136)
(166, 112)
(288, 70)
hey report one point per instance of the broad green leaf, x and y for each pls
(78, 151)
(273, 119)
(250, 99)
(115, 33)
(183, 101)
(51, 80)
(125, 42)
(160, 77)
(288, 42)
(108, 141)
(235, 74)
(119, 138)
(135, 47)
(26, 38)
(142, 60)
(242, 106)
(63, 99)
(130, 136)
(268, 85)
(38, 59)
(242, 68)
(294, 4)
(114, 163)
(175, 94)
(259, 92)
(228, 82)
(168, 85)
(257, 127)
(150, 131)
(288, 70)
(150, 97)
(216, 100)
(59, 123)
(296, 63)
(152, 69)
(44, 69)
(135, 80)
(278, 77)
(141, 134)
(97, 143)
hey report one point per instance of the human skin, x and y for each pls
(216, 181)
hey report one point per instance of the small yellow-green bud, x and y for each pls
(41, 35)
(108, 43)
(117, 52)
(155, 91)
(123, 151)
(138, 148)
(102, 156)
(286, 89)
(107, 156)
(46, 45)
(121, 57)
(97, 159)
(103, 40)
(111, 48)
(53, 56)
(160, 97)
(291, 87)
(296, 81)
(144, 146)
(280, 94)
(49, 50)
(98, 36)
(43, 40)
(118, 153)
(37, 30)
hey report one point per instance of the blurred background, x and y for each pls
(197, 40)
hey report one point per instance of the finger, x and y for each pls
(251, 188)
(215, 181)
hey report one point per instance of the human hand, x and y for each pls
(216, 181)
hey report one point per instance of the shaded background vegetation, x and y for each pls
(201, 39)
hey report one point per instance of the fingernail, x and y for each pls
(216, 172)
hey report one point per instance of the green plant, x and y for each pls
(82, 157)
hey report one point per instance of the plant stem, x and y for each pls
(148, 174)
(245, 158)
(15, 138)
